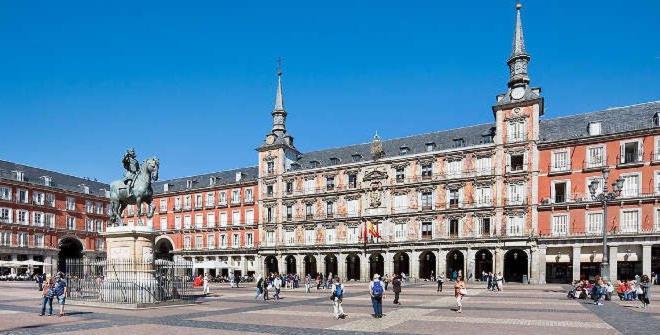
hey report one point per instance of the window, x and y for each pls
(187, 202)
(516, 162)
(594, 223)
(48, 181)
(22, 239)
(483, 165)
(210, 199)
(269, 214)
(453, 228)
(270, 238)
(235, 217)
(289, 187)
(289, 237)
(163, 223)
(657, 182)
(289, 213)
(400, 230)
(630, 185)
(330, 236)
(514, 226)
(595, 157)
(560, 161)
(49, 220)
(22, 216)
(187, 222)
(310, 236)
(235, 243)
(5, 215)
(594, 128)
(630, 221)
(484, 227)
(308, 211)
(210, 241)
(427, 170)
(5, 193)
(454, 168)
(89, 225)
(485, 139)
(269, 190)
(352, 234)
(20, 176)
(400, 202)
(329, 209)
(458, 142)
(223, 198)
(560, 225)
(223, 241)
(403, 150)
(99, 226)
(656, 225)
(427, 230)
(352, 180)
(516, 194)
(630, 152)
(314, 164)
(198, 201)
(199, 220)
(352, 207)
(22, 196)
(70, 223)
(249, 216)
(330, 183)
(516, 131)
(177, 222)
(454, 195)
(400, 174)
(212, 180)
(249, 198)
(177, 203)
(270, 167)
(50, 200)
(189, 183)
(199, 242)
(334, 161)
(39, 240)
(560, 190)
(356, 157)
(39, 198)
(427, 200)
(430, 146)
(483, 196)
(249, 239)
(236, 195)
(163, 205)
(309, 186)
(38, 219)
(295, 166)
(5, 239)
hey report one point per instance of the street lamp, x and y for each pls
(604, 197)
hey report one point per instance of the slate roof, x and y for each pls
(613, 120)
(58, 180)
(250, 174)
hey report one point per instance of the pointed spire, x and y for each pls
(519, 58)
(279, 114)
(279, 99)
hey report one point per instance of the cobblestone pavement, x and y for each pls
(526, 309)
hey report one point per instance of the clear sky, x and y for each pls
(193, 82)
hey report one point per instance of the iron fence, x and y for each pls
(129, 281)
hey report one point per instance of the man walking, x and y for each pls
(396, 288)
(277, 284)
(338, 295)
(60, 291)
(206, 280)
(440, 280)
(376, 289)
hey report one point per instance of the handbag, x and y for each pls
(332, 296)
(462, 291)
(639, 290)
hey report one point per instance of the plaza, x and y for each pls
(518, 309)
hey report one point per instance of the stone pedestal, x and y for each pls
(130, 243)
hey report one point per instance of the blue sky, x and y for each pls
(193, 82)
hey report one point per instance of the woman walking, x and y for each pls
(645, 286)
(460, 290)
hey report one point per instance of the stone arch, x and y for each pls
(516, 265)
(331, 264)
(290, 263)
(70, 247)
(427, 261)
(455, 264)
(483, 261)
(163, 248)
(352, 267)
(401, 263)
(376, 264)
(309, 265)
(270, 265)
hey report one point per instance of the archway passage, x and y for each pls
(290, 264)
(402, 263)
(455, 264)
(310, 265)
(427, 265)
(515, 265)
(70, 248)
(483, 262)
(270, 264)
(376, 265)
(352, 267)
(655, 259)
(164, 250)
(331, 265)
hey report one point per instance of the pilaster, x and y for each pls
(577, 251)
(614, 251)
(646, 259)
(541, 253)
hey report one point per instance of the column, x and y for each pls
(388, 267)
(364, 267)
(259, 264)
(441, 260)
(471, 253)
(499, 261)
(244, 265)
(577, 251)
(541, 253)
(300, 265)
(414, 265)
(614, 262)
(14, 258)
(646, 259)
(341, 266)
(320, 264)
(281, 264)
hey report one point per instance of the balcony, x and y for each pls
(427, 207)
(630, 160)
(516, 138)
(554, 170)
(516, 168)
(594, 165)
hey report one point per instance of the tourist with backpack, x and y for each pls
(376, 291)
(337, 297)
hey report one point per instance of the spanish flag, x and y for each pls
(373, 231)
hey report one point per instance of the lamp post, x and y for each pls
(604, 197)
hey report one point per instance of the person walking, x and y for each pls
(47, 295)
(645, 289)
(277, 284)
(499, 281)
(60, 291)
(376, 291)
(206, 281)
(40, 281)
(337, 297)
(387, 281)
(260, 292)
(396, 288)
(440, 280)
(308, 283)
(460, 290)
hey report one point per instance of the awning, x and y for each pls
(562, 258)
(213, 265)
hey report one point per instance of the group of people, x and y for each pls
(52, 288)
(601, 290)
(493, 282)
(271, 283)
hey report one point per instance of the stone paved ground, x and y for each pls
(519, 309)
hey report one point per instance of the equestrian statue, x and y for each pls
(135, 188)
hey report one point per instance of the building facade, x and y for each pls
(46, 216)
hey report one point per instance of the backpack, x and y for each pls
(377, 289)
(339, 291)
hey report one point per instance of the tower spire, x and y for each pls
(519, 58)
(279, 114)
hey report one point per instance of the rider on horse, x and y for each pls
(132, 166)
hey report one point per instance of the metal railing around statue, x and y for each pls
(129, 281)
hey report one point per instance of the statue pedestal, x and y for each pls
(130, 243)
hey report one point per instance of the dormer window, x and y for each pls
(295, 166)
(430, 146)
(594, 128)
(334, 160)
(166, 187)
(403, 150)
(485, 139)
(212, 180)
(356, 157)
(459, 142)
(314, 164)
(656, 119)
(189, 183)
(48, 181)
(85, 189)
(19, 175)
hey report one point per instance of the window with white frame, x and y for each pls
(594, 223)
(400, 202)
(163, 205)
(290, 237)
(38, 219)
(249, 216)
(5, 215)
(657, 182)
(23, 196)
(223, 219)
(352, 234)
(595, 156)
(426, 198)
(235, 217)
(89, 206)
(483, 195)
(427, 230)
(454, 198)
(187, 201)
(594, 128)
(515, 225)
(50, 200)
(454, 227)
(5, 239)
(631, 152)
(71, 203)
(560, 160)
(177, 222)
(99, 226)
(39, 198)
(516, 131)
(235, 243)
(210, 241)
(560, 225)
(656, 224)
(483, 165)
(187, 222)
(330, 236)
(163, 223)
(210, 219)
(656, 152)
(516, 194)
(310, 236)
(561, 191)
(199, 220)
(22, 216)
(629, 221)
(599, 186)
(22, 239)
(210, 199)
(249, 239)
(177, 203)
(249, 197)
(454, 168)
(222, 200)
(631, 185)
(484, 226)
(223, 241)
(309, 186)
(5, 193)
(516, 161)
(270, 238)
(235, 196)
(199, 242)
(89, 225)
(352, 207)
(186, 243)
(400, 230)
(39, 240)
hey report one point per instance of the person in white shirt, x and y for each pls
(207, 289)
(338, 291)
(277, 284)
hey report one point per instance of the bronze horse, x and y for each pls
(141, 192)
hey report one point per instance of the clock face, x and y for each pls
(517, 93)
(270, 139)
